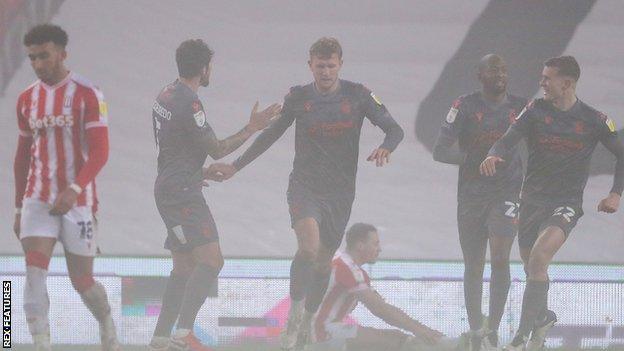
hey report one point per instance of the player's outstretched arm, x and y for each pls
(265, 139)
(501, 147)
(396, 317)
(258, 120)
(611, 203)
(218, 172)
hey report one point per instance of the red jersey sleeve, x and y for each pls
(96, 129)
(21, 162)
(22, 122)
(96, 109)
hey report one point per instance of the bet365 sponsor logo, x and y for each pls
(6, 314)
(51, 121)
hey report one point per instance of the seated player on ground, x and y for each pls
(348, 285)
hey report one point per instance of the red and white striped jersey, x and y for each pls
(346, 279)
(57, 118)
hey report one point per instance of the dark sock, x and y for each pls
(542, 316)
(499, 289)
(533, 302)
(300, 276)
(473, 292)
(171, 301)
(198, 286)
(316, 290)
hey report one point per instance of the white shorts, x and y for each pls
(76, 230)
(337, 336)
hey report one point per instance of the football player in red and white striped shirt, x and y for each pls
(350, 284)
(63, 144)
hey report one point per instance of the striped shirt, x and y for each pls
(57, 118)
(346, 279)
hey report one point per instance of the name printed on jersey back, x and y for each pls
(161, 111)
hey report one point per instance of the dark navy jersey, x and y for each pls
(560, 145)
(181, 132)
(476, 124)
(327, 135)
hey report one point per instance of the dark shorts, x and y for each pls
(188, 220)
(536, 217)
(482, 218)
(331, 214)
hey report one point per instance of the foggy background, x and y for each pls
(407, 52)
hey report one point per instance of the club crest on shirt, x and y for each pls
(307, 106)
(196, 106)
(345, 107)
(579, 127)
(200, 118)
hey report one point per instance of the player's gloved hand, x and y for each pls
(16, 225)
(64, 202)
(380, 155)
(219, 172)
(610, 204)
(488, 166)
(427, 335)
(260, 120)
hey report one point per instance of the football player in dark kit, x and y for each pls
(487, 206)
(329, 114)
(185, 139)
(561, 133)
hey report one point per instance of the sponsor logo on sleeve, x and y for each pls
(103, 109)
(451, 115)
(377, 101)
(200, 118)
(610, 124)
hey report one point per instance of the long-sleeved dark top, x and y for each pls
(475, 125)
(560, 145)
(184, 139)
(327, 135)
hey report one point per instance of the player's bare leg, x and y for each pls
(500, 280)
(208, 263)
(473, 249)
(301, 270)
(316, 292)
(93, 294)
(183, 265)
(38, 251)
(535, 297)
